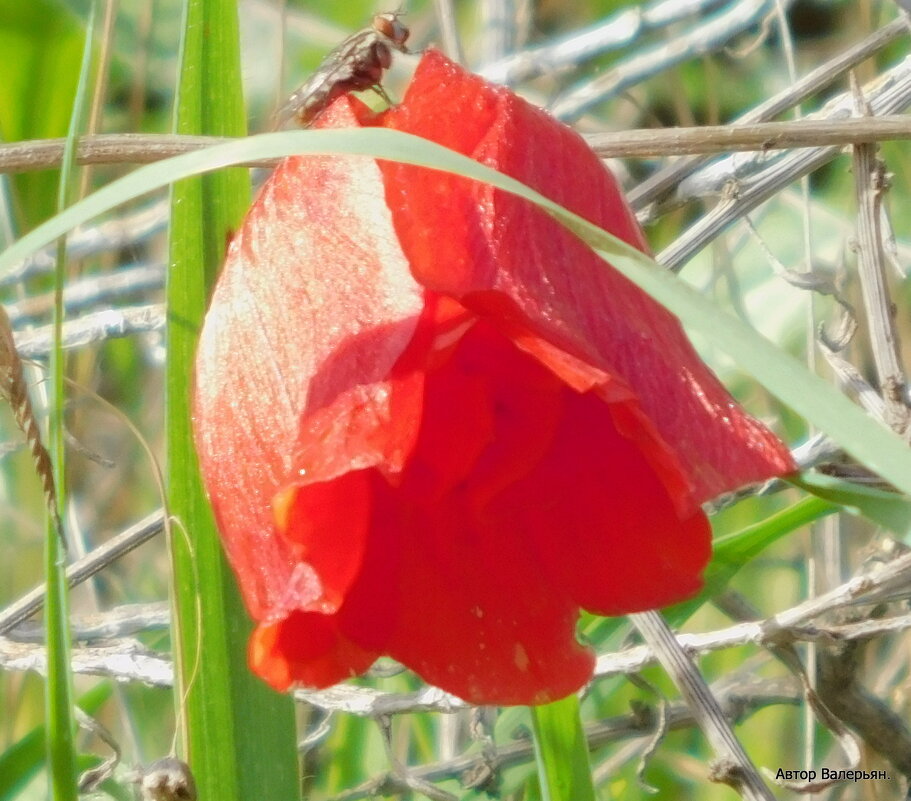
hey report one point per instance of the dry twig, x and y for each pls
(41, 154)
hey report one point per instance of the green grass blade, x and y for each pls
(885, 508)
(561, 752)
(60, 717)
(23, 760)
(732, 551)
(42, 43)
(239, 734)
(786, 378)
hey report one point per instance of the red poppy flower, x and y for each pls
(433, 424)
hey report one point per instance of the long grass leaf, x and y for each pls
(22, 761)
(885, 508)
(561, 752)
(731, 552)
(61, 721)
(239, 734)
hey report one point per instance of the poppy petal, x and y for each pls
(314, 306)
(306, 648)
(561, 291)
(447, 589)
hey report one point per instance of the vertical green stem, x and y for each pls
(61, 721)
(561, 752)
(61, 726)
(239, 735)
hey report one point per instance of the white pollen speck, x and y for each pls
(521, 658)
(477, 611)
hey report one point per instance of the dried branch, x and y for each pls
(498, 30)
(871, 183)
(123, 660)
(401, 777)
(760, 136)
(738, 607)
(657, 185)
(125, 620)
(732, 766)
(850, 378)
(890, 581)
(638, 143)
(746, 181)
(126, 231)
(82, 569)
(888, 94)
(876, 723)
(44, 154)
(622, 29)
(714, 32)
(91, 290)
(92, 328)
(452, 43)
(739, 697)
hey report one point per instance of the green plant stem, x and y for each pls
(561, 752)
(61, 720)
(238, 735)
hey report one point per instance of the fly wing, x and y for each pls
(319, 89)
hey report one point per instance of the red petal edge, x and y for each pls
(550, 287)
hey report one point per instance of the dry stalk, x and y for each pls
(871, 183)
(43, 154)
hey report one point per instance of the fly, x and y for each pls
(356, 64)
